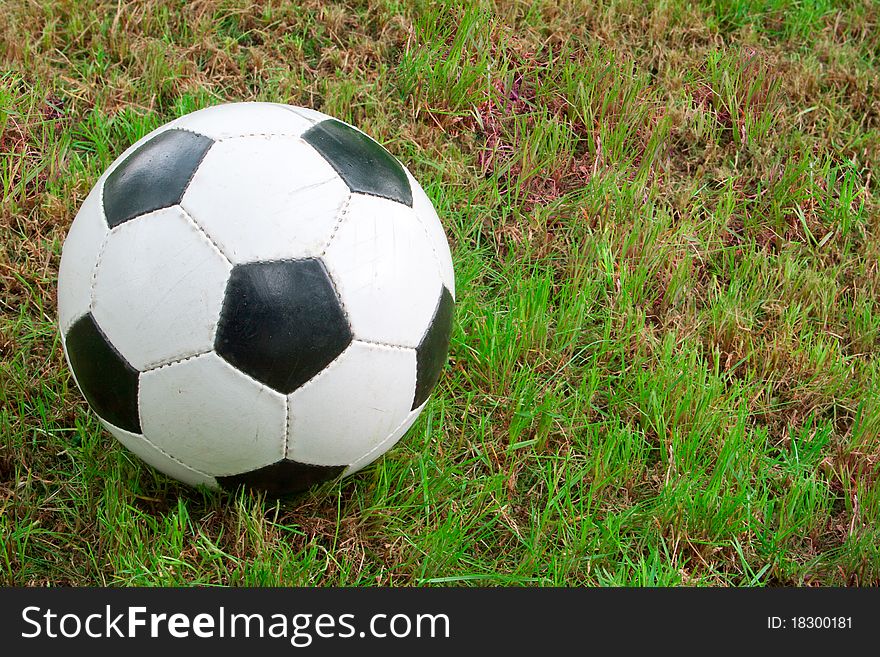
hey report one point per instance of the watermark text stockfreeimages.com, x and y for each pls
(300, 629)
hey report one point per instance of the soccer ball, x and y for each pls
(256, 294)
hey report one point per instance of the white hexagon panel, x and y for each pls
(266, 198)
(386, 271)
(142, 296)
(207, 414)
(378, 383)
(256, 295)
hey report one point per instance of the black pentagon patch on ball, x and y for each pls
(154, 176)
(108, 382)
(281, 322)
(362, 163)
(434, 348)
(283, 478)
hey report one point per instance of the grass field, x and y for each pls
(664, 222)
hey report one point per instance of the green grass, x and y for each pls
(664, 223)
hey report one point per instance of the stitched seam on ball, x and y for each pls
(198, 164)
(236, 369)
(435, 313)
(344, 351)
(341, 215)
(101, 251)
(286, 427)
(261, 261)
(176, 460)
(204, 233)
(292, 135)
(197, 227)
(174, 126)
(338, 296)
(311, 381)
(175, 361)
(417, 411)
(221, 316)
(383, 197)
(389, 345)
